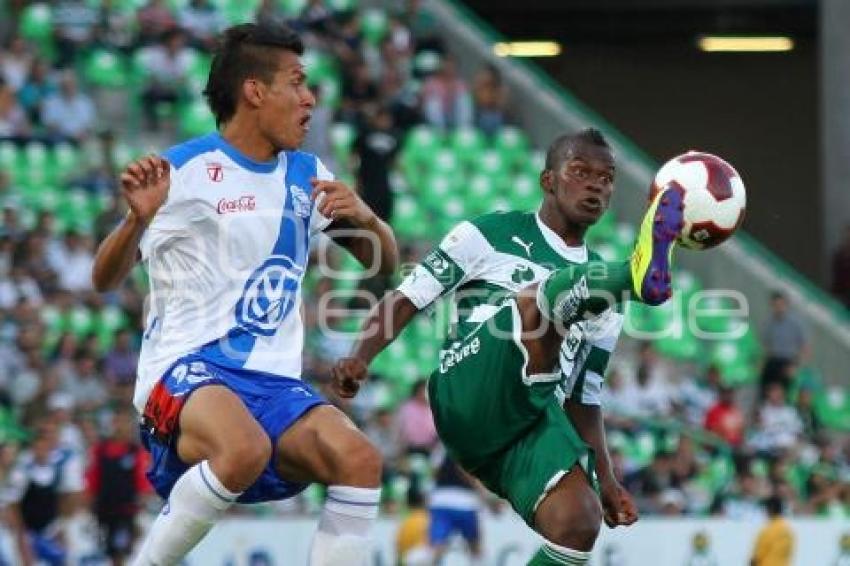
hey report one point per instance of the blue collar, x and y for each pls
(241, 159)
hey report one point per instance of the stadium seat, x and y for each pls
(512, 143)
(712, 314)
(292, 8)
(36, 25)
(524, 192)
(196, 119)
(426, 62)
(445, 163)
(478, 192)
(373, 24)
(467, 144)
(681, 347)
(106, 69)
(66, 158)
(420, 144)
(732, 361)
(832, 406)
(80, 321)
(342, 135)
(408, 218)
(493, 163)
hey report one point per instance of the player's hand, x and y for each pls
(340, 202)
(145, 183)
(347, 374)
(617, 505)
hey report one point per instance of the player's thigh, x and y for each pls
(527, 471)
(214, 423)
(325, 446)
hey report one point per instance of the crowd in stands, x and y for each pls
(683, 439)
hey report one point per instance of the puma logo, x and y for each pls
(523, 245)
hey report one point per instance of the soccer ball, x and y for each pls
(714, 197)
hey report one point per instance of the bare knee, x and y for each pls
(357, 463)
(240, 462)
(570, 517)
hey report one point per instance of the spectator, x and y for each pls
(154, 19)
(649, 483)
(116, 483)
(784, 341)
(744, 501)
(115, 26)
(74, 25)
(649, 395)
(19, 286)
(778, 427)
(13, 119)
(166, 66)
(775, 542)
(37, 87)
(270, 12)
(60, 408)
(402, 101)
(446, 103)
(202, 21)
(416, 425)
(384, 434)
(69, 114)
(808, 415)
(85, 385)
(725, 419)
(696, 396)
(15, 62)
(358, 93)
(121, 362)
(490, 96)
(841, 269)
(376, 149)
(45, 486)
(75, 269)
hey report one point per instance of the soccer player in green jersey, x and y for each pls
(515, 396)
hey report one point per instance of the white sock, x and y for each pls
(196, 502)
(342, 537)
(565, 555)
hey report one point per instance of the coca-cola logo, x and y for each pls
(241, 204)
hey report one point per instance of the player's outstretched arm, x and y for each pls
(144, 183)
(383, 324)
(366, 237)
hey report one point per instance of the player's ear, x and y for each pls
(547, 180)
(252, 90)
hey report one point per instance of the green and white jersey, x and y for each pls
(491, 258)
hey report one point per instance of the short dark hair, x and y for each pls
(561, 146)
(774, 506)
(244, 51)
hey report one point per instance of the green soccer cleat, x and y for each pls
(651, 262)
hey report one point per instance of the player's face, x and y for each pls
(287, 104)
(584, 184)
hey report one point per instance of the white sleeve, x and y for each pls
(455, 261)
(318, 222)
(73, 475)
(16, 484)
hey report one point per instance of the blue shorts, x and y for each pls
(445, 522)
(275, 402)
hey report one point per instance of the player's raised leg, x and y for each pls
(578, 291)
(325, 446)
(226, 450)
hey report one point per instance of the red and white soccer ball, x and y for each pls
(715, 198)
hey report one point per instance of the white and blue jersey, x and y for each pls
(226, 254)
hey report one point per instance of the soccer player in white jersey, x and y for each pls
(223, 224)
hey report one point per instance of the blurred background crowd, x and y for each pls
(695, 427)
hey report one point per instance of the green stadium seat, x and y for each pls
(36, 25)
(607, 252)
(479, 191)
(318, 66)
(240, 11)
(420, 144)
(331, 91)
(408, 218)
(106, 69)
(66, 158)
(535, 162)
(467, 144)
(712, 314)
(832, 405)
(491, 162)
(342, 135)
(426, 62)
(732, 361)
(292, 8)
(524, 192)
(373, 24)
(602, 231)
(512, 143)
(196, 119)
(681, 347)
(342, 5)
(667, 319)
(445, 162)
(623, 238)
(80, 321)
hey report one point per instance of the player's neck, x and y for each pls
(572, 234)
(248, 140)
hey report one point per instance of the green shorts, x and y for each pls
(504, 426)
